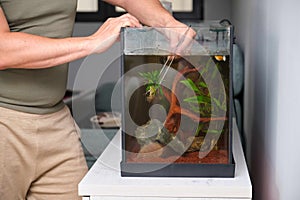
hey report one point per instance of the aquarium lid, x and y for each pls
(211, 39)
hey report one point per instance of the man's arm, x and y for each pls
(22, 50)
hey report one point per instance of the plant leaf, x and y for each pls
(217, 102)
(197, 99)
(190, 84)
(214, 131)
(203, 84)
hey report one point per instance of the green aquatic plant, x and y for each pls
(206, 101)
(153, 87)
(151, 77)
(202, 100)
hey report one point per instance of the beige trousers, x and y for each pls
(41, 157)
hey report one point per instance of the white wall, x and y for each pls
(268, 31)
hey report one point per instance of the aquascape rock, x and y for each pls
(153, 136)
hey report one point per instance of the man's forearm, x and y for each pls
(148, 12)
(21, 50)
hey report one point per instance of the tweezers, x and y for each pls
(170, 59)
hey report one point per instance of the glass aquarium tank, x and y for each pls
(177, 96)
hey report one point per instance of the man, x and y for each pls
(40, 152)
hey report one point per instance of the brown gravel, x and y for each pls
(214, 157)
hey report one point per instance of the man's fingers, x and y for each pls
(181, 40)
(130, 21)
(185, 46)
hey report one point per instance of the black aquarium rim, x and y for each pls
(178, 170)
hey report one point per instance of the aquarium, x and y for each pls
(177, 96)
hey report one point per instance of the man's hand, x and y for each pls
(181, 39)
(109, 32)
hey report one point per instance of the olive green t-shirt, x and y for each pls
(37, 91)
